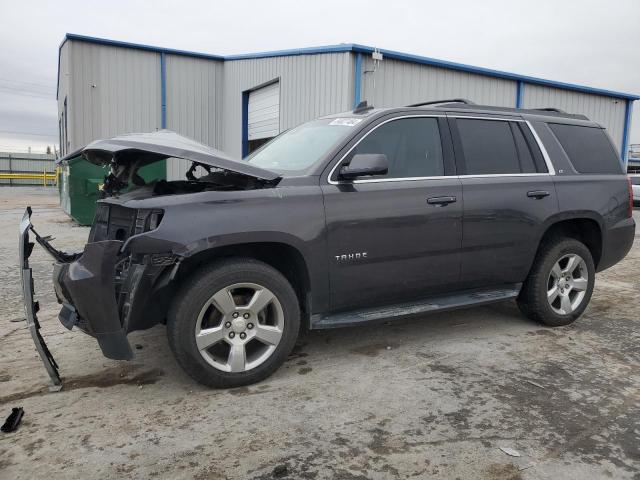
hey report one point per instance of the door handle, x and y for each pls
(441, 201)
(537, 194)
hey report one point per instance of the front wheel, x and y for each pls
(560, 283)
(234, 323)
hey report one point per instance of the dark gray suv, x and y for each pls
(345, 220)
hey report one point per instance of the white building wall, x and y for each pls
(608, 111)
(194, 98)
(112, 90)
(310, 86)
(397, 83)
(64, 87)
(115, 90)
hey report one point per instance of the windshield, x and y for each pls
(300, 147)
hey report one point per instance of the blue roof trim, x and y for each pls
(139, 46)
(343, 47)
(493, 73)
(353, 47)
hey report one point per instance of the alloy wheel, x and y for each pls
(567, 284)
(239, 327)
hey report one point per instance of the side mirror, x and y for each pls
(365, 164)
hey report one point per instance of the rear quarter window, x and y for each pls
(588, 148)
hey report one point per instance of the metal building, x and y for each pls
(235, 103)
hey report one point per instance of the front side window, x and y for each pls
(412, 146)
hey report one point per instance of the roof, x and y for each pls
(356, 48)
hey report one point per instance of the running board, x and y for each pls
(428, 305)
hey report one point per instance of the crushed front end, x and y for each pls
(105, 291)
(123, 280)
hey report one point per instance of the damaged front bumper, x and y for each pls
(102, 293)
(31, 307)
(86, 289)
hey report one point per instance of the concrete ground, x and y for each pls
(432, 397)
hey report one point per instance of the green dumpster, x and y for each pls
(80, 183)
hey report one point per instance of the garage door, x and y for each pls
(264, 112)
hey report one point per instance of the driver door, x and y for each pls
(397, 236)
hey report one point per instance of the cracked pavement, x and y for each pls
(434, 396)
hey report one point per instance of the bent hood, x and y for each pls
(144, 148)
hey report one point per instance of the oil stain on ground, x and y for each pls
(109, 377)
(372, 350)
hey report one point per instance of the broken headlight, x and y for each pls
(147, 220)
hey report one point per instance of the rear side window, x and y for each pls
(588, 148)
(412, 146)
(525, 158)
(493, 147)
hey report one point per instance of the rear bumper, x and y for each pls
(617, 242)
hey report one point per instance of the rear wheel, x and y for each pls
(234, 323)
(560, 283)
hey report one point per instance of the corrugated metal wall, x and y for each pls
(115, 90)
(310, 86)
(194, 98)
(64, 87)
(609, 112)
(398, 83)
(25, 163)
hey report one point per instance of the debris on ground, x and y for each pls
(13, 420)
(510, 451)
(534, 384)
(280, 471)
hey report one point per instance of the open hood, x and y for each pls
(135, 150)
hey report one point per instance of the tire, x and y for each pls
(237, 284)
(542, 283)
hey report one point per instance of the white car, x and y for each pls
(635, 184)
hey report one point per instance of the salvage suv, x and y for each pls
(346, 220)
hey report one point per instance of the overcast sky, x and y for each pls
(595, 43)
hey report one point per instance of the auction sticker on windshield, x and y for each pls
(346, 122)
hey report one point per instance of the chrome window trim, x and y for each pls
(498, 119)
(398, 179)
(490, 175)
(545, 155)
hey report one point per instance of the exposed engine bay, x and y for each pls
(210, 169)
(199, 178)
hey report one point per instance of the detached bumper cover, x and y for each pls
(84, 285)
(87, 292)
(31, 307)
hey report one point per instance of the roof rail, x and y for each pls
(362, 107)
(437, 102)
(549, 109)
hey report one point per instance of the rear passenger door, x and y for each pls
(508, 194)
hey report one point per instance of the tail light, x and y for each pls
(630, 213)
